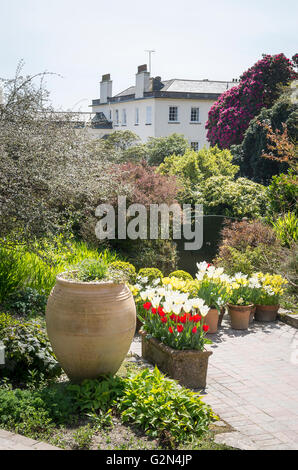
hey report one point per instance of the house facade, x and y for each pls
(156, 108)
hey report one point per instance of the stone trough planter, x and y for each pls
(188, 367)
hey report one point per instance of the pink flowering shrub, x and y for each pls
(230, 115)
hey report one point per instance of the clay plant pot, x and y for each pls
(188, 367)
(239, 316)
(252, 314)
(221, 315)
(211, 319)
(266, 312)
(90, 326)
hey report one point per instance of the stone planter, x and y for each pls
(90, 326)
(266, 312)
(252, 314)
(220, 316)
(239, 316)
(189, 368)
(211, 319)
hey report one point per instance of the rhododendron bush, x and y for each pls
(259, 87)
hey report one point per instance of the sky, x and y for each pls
(80, 40)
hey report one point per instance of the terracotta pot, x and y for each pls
(211, 319)
(221, 315)
(266, 312)
(239, 316)
(90, 326)
(252, 314)
(189, 368)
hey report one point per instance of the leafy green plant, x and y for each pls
(27, 348)
(150, 273)
(128, 270)
(180, 274)
(13, 272)
(160, 406)
(83, 437)
(26, 301)
(286, 228)
(90, 270)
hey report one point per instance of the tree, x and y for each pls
(249, 154)
(49, 178)
(158, 148)
(259, 87)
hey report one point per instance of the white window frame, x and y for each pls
(148, 115)
(197, 111)
(137, 116)
(116, 117)
(197, 144)
(124, 117)
(177, 114)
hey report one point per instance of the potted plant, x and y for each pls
(91, 320)
(267, 304)
(240, 302)
(214, 294)
(173, 336)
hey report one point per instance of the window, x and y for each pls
(173, 113)
(137, 116)
(194, 145)
(148, 115)
(116, 117)
(195, 115)
(123, 117)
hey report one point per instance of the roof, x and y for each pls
(177, 88)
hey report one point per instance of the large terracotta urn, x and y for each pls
(90, 326)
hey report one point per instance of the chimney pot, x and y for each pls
(142, 68)
(106, 77)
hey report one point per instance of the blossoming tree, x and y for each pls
(259, 87)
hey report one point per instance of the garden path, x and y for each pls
(252, 384)
(11, 441)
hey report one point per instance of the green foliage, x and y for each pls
(13, 272)
(160, 407)
(283, 195)
(128, 269)
(180, 274)
(83, 437)
(248, 155)
(248, 260)
(38, 270)
(27, 348)
(222, 195)
(286, 229)
(158, 148)
(91, 270)
(96, 395)
(159, 253)
(150, 273)
(26, 301)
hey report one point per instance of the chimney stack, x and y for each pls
(142, 81)
(105, 88)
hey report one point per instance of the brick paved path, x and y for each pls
(11, 441)
(253, 385)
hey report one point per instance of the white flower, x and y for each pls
(187, 306)
(155, 301)
(156, 282)
(177, 308)
(197, 303)
(202, 266)
(167, 306)
(144, 295)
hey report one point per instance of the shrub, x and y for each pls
(158, 148)
(220, 195)
(180, 274)
(159, 253)
(230, 115)
(27, 349)
(127, 269)
(26, 301)
(249, 154)
(286, 229)
(283, 195)
(150, 273)
(162, 408)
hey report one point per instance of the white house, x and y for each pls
(154, 107)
